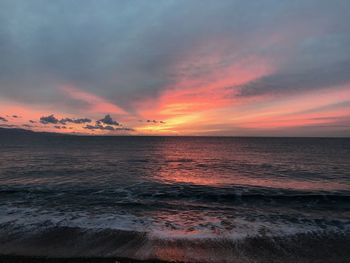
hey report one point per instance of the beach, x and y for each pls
(298, 248)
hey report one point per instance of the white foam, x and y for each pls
(157, 227)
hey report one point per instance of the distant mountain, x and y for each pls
(14, 132)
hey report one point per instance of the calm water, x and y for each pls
(171, 188)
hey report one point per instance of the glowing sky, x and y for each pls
(181, 67)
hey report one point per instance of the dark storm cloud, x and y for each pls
(51, 119)
(76, 121)
(3, 119)
(288, 82)
(108, 120)
(127, 50)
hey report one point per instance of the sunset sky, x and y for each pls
(181, 67)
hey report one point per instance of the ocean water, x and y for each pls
(171, 198)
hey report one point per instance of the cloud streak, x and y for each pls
(299, 81)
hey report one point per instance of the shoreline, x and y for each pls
(41, 259)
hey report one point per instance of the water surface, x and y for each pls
(169, 189)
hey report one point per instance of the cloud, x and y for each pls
(8, 125)
(49, 119)
(60, 127)
(113, 51)
(3, 119)
(105, 124)
(299, 81)
(31, 121)
(53, 120)
(154, 121)
(106, 128)
(107, 57)
(92, 127)
(76, 121)
(87, 101)
(108, 120)
(99, 127)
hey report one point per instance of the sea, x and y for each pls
(188, 199)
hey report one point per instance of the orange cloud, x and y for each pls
(186, 112)
(195, 94)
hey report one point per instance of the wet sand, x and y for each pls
(301, 248)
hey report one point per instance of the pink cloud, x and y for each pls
(96, 103)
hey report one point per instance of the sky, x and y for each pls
(176, 67)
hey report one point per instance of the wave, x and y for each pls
(196, 223)
(152, 191)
